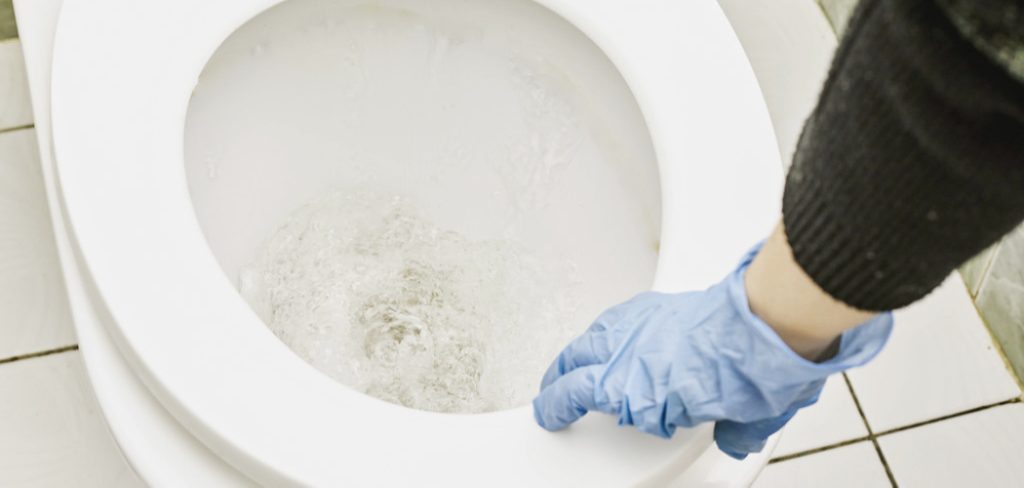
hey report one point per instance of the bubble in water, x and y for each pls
(377, 297)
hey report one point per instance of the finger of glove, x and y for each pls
(738, 439)
(586, 350)
(568, 398)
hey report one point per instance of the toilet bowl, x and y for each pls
(155, 252)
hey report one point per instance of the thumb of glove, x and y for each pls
(740, 439)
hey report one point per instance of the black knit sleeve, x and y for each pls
(913, 160)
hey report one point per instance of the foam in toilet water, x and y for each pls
(378, 297)
(491, 153)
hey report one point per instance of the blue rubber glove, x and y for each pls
(661, 361)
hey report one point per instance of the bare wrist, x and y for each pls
(781, 294)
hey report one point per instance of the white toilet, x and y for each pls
(155, 221)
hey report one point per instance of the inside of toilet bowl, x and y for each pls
(423, 200)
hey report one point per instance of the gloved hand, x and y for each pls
(661, 361)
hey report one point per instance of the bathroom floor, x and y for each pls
(937, 408)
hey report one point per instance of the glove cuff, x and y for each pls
(857, 346)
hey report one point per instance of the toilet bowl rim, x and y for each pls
(80, 188)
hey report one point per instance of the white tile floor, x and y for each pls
(940, 361)
(32, 304)
(853, 466)
(984, 450)
(940, 364)
(52, 432)
(833, 420)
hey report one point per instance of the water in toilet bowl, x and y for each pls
(474, 184)
(383, 300)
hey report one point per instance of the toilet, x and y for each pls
(154, 227)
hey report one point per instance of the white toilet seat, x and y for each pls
(119, 110)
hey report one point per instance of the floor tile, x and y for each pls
(15, 108)
(51, 430)
(33, 307)
(999, 299)
(979, 449)
(853, 466)
(832, 420)
(940, 360)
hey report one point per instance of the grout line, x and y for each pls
(992, 254)
(17, 128)
(950, 416)
(828, 18)
(73, 347)
(885, 463)
(871, 433)
(816, 450)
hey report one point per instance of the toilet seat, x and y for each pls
(119, 111)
